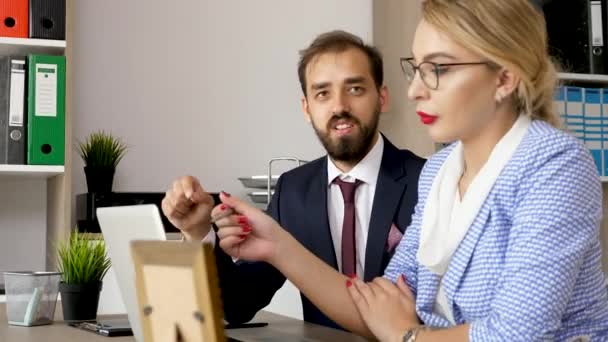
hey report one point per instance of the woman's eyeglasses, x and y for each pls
(429, 71)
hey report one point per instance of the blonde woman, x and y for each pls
(504, 242)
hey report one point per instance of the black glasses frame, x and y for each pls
(436, 67)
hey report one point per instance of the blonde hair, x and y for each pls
(509, 33)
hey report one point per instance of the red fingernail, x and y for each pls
(242, 219)
(242, 236)
(226, 194)
(353, 276)
(349, 283)
(246, 229)
(223, 207)
(402, 277)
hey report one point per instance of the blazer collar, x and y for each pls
(316, 206)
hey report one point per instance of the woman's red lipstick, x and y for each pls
(426, 119)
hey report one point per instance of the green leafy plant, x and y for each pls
(101, 149)
(81, 259)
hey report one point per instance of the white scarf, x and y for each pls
(438, 238)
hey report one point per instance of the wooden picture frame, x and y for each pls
(178, 291)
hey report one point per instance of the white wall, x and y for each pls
(22, 225)
(394, 24)
(207, 88)
(213, 93)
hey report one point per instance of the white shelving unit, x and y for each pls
(587, 78)
(30, 171)
(24, 46)
(35, 199)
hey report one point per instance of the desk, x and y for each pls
(281, 328)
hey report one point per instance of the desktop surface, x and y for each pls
(281, 328)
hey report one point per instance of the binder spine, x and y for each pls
(47, 19)
(46, 110)
(14, 18)
(4, 105)
(597, 55)
(559, 99)
(574, 112)
(593, 126)
(16, 118)
(604, 127)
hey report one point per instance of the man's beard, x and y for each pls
(350, 149)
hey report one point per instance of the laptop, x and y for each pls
(120, 226)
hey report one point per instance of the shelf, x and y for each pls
(30, 171)
(588, 78)
(25, 46)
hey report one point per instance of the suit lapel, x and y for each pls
(320, 233)
(389, 189)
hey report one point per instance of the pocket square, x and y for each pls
(394, 237)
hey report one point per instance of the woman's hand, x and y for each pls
(387, 309)
(246, 232)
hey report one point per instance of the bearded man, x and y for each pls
(350, 207)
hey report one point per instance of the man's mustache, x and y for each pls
(342, 116)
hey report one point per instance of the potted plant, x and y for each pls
(101, 153)
(83, 262)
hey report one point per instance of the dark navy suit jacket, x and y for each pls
(299, 204)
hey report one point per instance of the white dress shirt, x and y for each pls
(366, 171)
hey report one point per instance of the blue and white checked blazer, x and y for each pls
(529, 267)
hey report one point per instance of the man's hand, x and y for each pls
(188, 207)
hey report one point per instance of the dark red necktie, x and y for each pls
(349, 255)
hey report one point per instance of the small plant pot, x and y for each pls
(79, 301)
(99, 178)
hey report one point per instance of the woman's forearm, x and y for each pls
(320, 283)
(326, 289)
